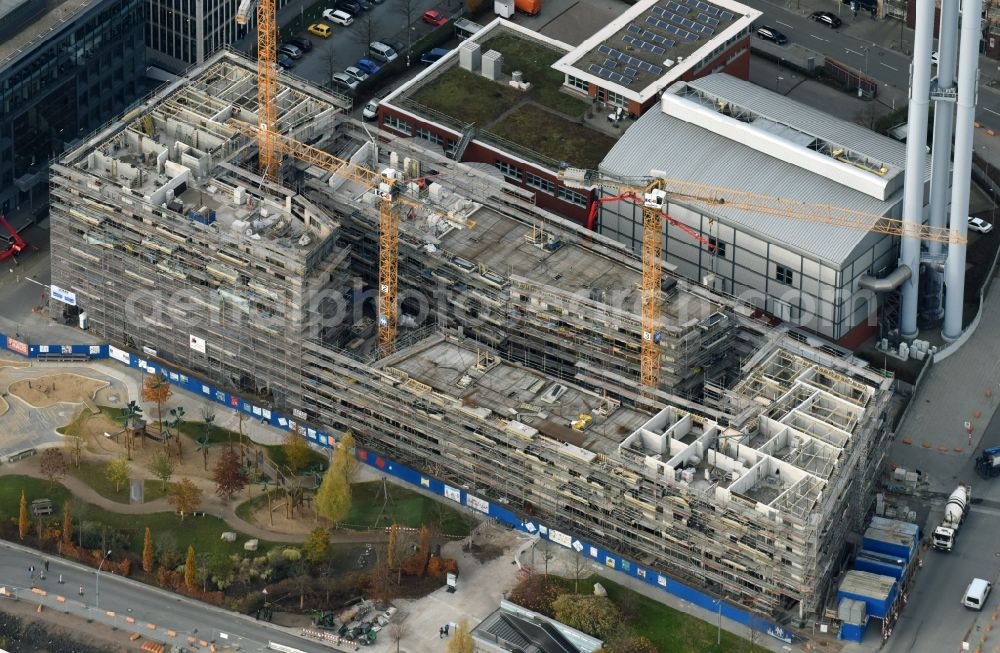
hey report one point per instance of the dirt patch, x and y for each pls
(45, 391)
(3, 407)
(53, 632)
(301, 525)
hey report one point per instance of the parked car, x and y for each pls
(345, 82)
(980, 225)
(320, 29)
(370, 112)
(356, 73)
(381, 52)
(395, 45)
(368, 66)
(350, 6)
(302, 43)
(434, 17)
(285, 61)
(338, 16)
(433, 55)
(770, 34)
(291, 51)
(826, 18)
(365, 4)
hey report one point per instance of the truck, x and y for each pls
(988, 463)
(954, 514)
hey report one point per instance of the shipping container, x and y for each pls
(853, 632)
(890, 541)
(875, 590)
(880, 563)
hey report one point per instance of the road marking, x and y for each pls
(784, 24)
(888, 66)
(819, 38)
(991, 111)
(853, 52)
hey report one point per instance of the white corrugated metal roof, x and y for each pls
(790, 112)
(691, 153)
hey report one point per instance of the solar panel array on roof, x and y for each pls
(674, 23)
(601, 71)
(639, 43)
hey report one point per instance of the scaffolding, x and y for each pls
(516, 374)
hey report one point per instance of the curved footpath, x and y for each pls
(212, 505)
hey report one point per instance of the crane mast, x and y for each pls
(652, 276)
(268, 158)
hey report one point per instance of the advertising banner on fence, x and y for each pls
(560, 538)
(17, 346)
(452, 493)
(477, 504)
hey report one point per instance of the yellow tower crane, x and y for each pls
(271, 144)
(387, 185)
(657, 189)
(267, 82)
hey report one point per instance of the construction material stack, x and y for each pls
(878, 585)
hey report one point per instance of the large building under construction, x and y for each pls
(515, 373)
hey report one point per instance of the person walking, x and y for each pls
(81, 590)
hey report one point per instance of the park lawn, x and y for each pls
(220, 436)
(672, 631)
(370, 510)
(246, 509)
(201, 532)
(93, 474)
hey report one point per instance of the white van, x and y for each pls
(382, 52)
(975, 595)
(339, 17)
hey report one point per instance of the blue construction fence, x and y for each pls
(400, 471)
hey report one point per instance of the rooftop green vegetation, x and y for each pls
(545, 120)
(554, 136)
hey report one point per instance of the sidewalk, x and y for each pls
(952, 392)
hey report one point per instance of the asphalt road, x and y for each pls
(934, 619)
(886, 65)
(145, 604)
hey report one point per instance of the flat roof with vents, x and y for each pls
(654, 43)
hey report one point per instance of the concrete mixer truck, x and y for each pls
(954, 514)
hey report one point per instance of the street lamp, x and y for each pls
(718, 633)
(97, 583)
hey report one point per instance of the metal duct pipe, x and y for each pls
(894, 280)
(968, 78)
(916, 155)
(944, 119)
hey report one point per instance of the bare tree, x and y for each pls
(365, 30)
(398, 628)
(408, 7)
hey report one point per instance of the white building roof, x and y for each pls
(770, 155)
(654, 43)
